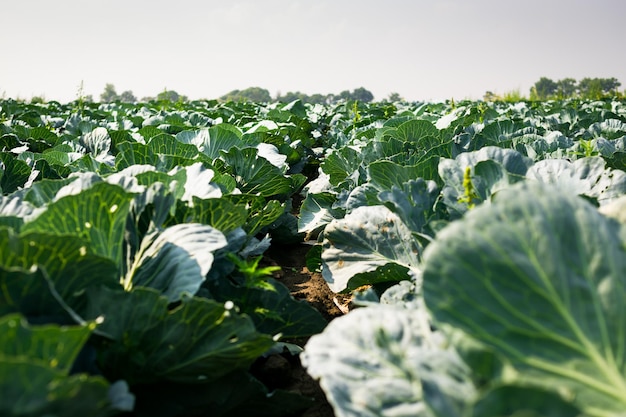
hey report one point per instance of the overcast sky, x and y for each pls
(421, 49)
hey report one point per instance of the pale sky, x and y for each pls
(421, 49)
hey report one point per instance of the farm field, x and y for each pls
(218, 258)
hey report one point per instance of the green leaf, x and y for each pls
(256, 175)
(412, 201)
(14, 211)
(62, 261)
(341, 164)
(199, 184)
(317, 211)
(539, 276)
(416, 131)
(220, 213)
(492, 169)
(134, 153)
(212, 141)
(386, 361)
(501, 131)
(15, 174)
(34, 365)
(97, 142)
(165, 144)
(387, 174)
(97, 215)
(175, 260)
(49, 344)
(585, 176)
(274, 311)
(367, 238)
(261, 212)
(31, 389)
(514, 400)
(199, 340)
(44, 191)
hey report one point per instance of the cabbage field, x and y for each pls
(482, 246)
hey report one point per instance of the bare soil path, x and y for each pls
(286, 372)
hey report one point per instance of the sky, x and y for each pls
(421, 49)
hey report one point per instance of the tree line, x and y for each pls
(109, 95)
(588, 88)
(255, 94)
(544, 89)
(258, 94)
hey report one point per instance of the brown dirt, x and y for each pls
(309, 286)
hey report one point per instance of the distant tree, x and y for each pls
(297, 95)
(566, 88)
(544, 88)
(394, 97)
(513, 96)
(344, 95)
(255, 94)
(318, 99)
(490, 96)
(109, 94)
(587, 88)
(590, 88)
(128, 97)
(170, 95)
(37, 100)
(361, 94)
(291, 96)
(598, 87)
(610, 85)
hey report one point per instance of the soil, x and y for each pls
(284, 371)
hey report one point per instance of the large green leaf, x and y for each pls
(261, 212)
(42, 344)
(586, 176)
(412, 201)
(14, 211)
(199, 340)
(198, 183)
(387, 174)
(34, 367)
(342, 164)
(134, 154)
(98, 143)
(32, 262)
(366, 239)
(386, 361)
(317, 211)
(176, 260)
(97, 215)
(212, 141)
(515, 400)
(416, 131)
(220, 213)
(31, 389)
(256, 175)
(539, 276)
(491, 169)
(502, 131)
(272, 308)
(43, 192)
(165, 144)
(15, 175)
